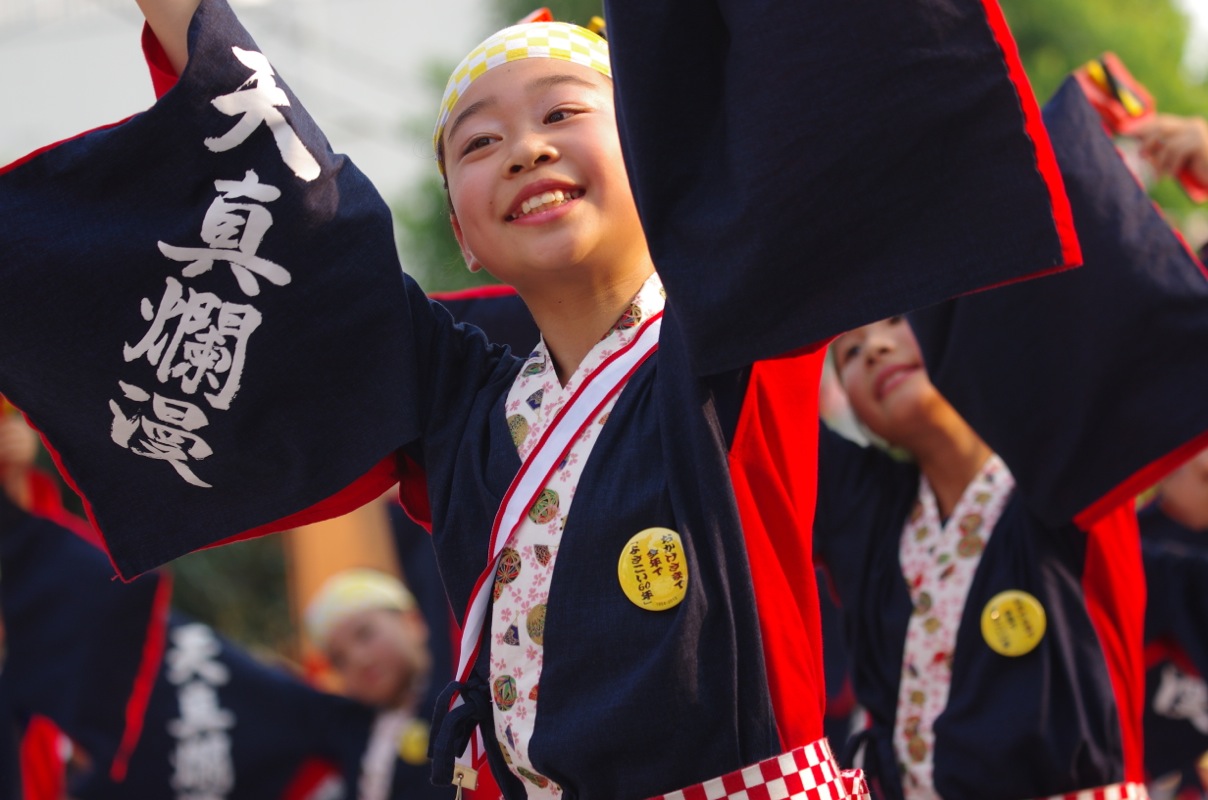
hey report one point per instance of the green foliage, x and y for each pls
(1057, 36)
(428, 250)
(577, 11)
(240, 590)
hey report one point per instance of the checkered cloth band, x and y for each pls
(1117, 791)
(807, 773)
(560, 40)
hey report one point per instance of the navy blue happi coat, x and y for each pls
(64, 617)
(255, 357)
(161, 703)
(221, 722)
(1176, 649)
(1080, 382)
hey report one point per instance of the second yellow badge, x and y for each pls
(1013, 623)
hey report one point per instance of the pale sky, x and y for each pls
(70, 65)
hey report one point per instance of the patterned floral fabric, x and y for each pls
(526, 565)
(939, 560)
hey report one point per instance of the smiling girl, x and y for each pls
(622, 516)
(991, 579)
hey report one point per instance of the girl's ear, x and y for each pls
(472, 263)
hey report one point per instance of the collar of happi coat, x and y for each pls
(978, 508)
(536, 395)
(939, 560)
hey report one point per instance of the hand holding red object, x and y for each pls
(1176, 146)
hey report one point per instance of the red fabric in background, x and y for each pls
(774, 466)
(42, 768)
(1113, 584)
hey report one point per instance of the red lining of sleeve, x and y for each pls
(163, 77)
(48, 503)
(413, 492)
(1139, 481)
(1183, 241)
(144, 682)
(1163, 650)
(369, 486)
(31, 156)
(310, 778)
(98, 536)
(773, 466)
(42, 770)
(1113, 584)
(475, 293)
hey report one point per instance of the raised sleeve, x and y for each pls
(1086, 383)
(204, 313)
(804, 168)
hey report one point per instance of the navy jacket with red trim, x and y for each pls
(734, 673)
(63, 615)
(1080, 382)
(1070, 709)
(1176, 648)
(148, 409)
(193, 711)
(222, 723)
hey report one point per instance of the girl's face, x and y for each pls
(380, 655)
(536, 178)
(881, 369)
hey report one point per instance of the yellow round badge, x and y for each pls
(413, 742)
(1013, 623)
(653, 569)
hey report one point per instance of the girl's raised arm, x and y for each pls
(223, 200)
(169, 20)
(1080, 381)
(837, 185)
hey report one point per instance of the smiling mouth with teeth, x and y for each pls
(545, 201)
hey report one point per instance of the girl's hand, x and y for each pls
(1173, 144)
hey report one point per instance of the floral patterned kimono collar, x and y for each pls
(939, 559)
(554, 428)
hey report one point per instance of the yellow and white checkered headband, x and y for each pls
(561, 40)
